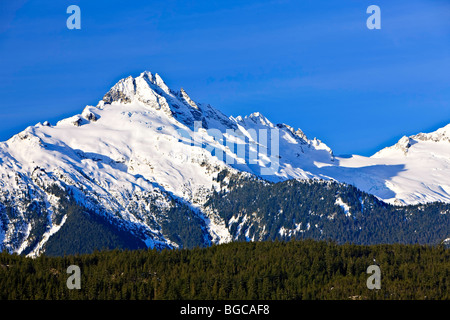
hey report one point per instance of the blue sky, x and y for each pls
(311, 64)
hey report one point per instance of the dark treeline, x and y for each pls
(240, 270)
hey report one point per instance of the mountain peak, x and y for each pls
(145, 88)
(121, 91)
(258, 118)
(441, 134)
(404, 144)
(155, 80)
(151, 91)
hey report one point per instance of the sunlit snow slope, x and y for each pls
(415, 170)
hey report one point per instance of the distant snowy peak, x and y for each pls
(442, 134)
(405, 143)
(258, 118)
(402, 145)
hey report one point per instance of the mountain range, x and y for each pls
(150, 167)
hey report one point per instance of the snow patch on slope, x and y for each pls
(344, 206)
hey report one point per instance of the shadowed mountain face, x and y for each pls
(144, 164)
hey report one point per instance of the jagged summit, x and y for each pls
(258, 117)
(441, 135)
(151, 91)
(147, 88)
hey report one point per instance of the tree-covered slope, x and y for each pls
(240, 270)
(258, 210)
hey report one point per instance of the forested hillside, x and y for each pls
(239, 270)
(258, 211)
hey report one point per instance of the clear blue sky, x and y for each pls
(311, 64)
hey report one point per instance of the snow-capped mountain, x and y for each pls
(145, 149)
(142, 146)
(414, 170)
